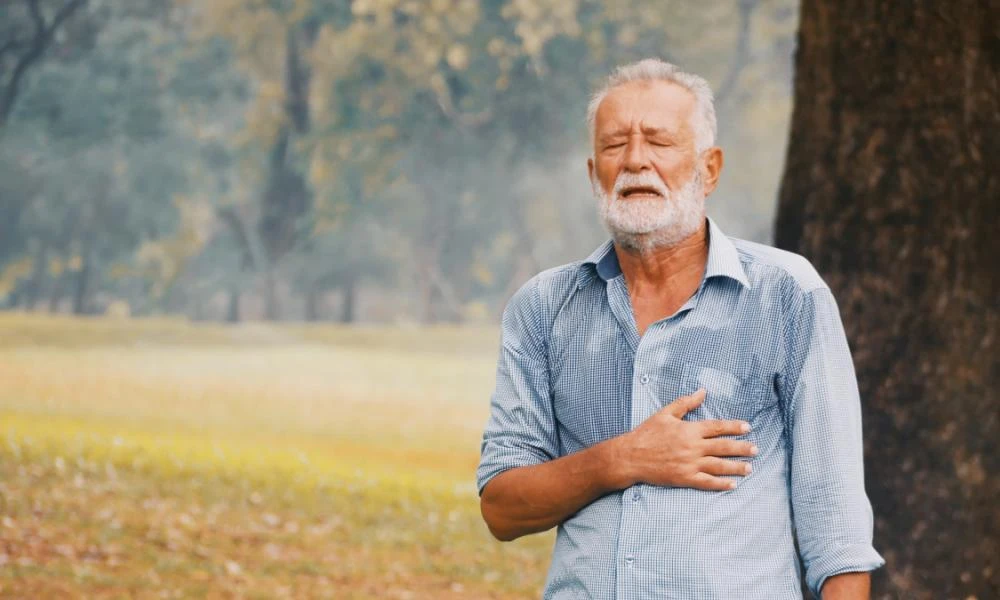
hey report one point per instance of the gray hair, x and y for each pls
(654, 69)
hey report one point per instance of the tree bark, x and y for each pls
(891, 190)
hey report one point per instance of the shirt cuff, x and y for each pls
(856, 558)
(497, 459)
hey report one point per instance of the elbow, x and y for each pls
(499, 527)
(502, 535)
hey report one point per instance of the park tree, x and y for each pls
(439, 105)
(91, 129)
(28, 29)
(226, 151)
(891, 189)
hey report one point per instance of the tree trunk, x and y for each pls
(39, 276)
(198, 308)
(313, 296)
(348, 313)
(56, 293)
(81, 288)
(287, 196)
(891, 190)
(272, 311)
(233, 311)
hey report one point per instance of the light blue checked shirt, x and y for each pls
(763, 336)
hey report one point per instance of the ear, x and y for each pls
(590, 169)
(711, 165)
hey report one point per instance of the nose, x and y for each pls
(636, 155)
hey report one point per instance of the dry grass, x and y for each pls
(164, 459)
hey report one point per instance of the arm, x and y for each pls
(664, 450)
(848, 586)
(536, 498)
(833, 517)
(525, 488)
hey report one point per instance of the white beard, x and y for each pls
(643, 224)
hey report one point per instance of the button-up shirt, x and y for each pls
(763, 336)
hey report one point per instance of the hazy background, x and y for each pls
(375, 160)
(185, 185)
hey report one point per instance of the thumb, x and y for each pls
(686, 404)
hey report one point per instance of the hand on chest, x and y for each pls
(605, 382)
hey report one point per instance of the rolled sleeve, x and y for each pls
(521, 429)
(832, 513)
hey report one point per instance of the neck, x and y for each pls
(677, 267)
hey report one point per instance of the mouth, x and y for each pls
(640, 192)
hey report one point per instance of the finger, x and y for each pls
(715, 427)
(686, 404)
(717, 447)
(720, 466)
(704, 481)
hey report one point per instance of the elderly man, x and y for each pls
(681, 404)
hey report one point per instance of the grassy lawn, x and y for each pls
(162, 459)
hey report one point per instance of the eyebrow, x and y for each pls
(646, 130)
(657, 131)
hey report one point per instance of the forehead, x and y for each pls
(659, 104)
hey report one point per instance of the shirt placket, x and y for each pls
(627, 584)
(643, 403)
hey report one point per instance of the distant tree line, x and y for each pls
(330, 159)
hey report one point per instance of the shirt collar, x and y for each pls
(723, 260)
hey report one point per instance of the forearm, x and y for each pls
(847, 586)
(535, 498)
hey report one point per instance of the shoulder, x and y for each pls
(529, 313)
(767, 265)
(788, 280)
(546, 289)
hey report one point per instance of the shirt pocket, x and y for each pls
(728, 396)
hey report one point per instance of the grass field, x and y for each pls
(163, 459)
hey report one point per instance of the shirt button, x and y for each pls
(629, 560)
(635, 496)
(644, 379)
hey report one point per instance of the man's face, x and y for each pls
(646, 172)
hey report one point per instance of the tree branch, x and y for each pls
(36, 15)
(442, 93)
(11, 44)
(42, 39)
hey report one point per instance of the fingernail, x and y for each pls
(754, 450)
(745, 428)
(732, 485)
(749, 469)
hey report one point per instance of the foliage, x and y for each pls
(274, 152)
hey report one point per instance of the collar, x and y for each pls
(723, 260)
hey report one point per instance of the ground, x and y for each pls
(164, 459)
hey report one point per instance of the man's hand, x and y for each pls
(666, 450)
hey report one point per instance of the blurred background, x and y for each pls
(317, 160)
(252, 259)
(253, 255)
